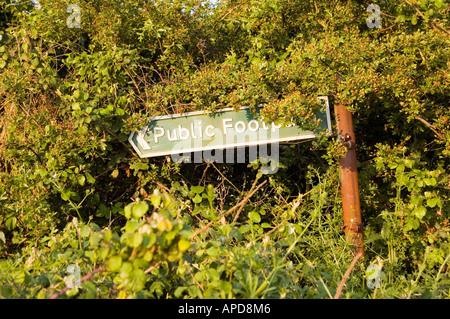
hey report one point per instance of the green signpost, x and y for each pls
(223, 129)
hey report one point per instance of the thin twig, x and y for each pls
(346, 275)
(204, 173)
(118, 139)
(242, 207)
(225, 177)
(432, 127)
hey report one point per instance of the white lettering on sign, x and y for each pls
(225, 125)
(195, 130)
(256, 126)
(161, 130)
(208, 130)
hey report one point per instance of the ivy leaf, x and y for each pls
(89, 286)
(131, 226)
(35, 62)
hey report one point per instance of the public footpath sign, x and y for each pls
(223, 129)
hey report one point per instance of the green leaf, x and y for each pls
(11, 223)
(439, 3)
(179, 291)
(139, 166)
(183, 244)
(127, 210)
(125, 270)
(134, 240)
(81, 180)
(19, 277)
(139, 209)
(76, 106)
(156, 200)
(2, 237)
(90, 178)
(197, 199)
(431, 202)
(114, 263)
(90, 287)
(197, 189)
(85, 231)
(392, 165)
(136, 280)
(115, 173)
(213, 251)
(420, 212)
(131, 226)
(254, 216)
(35, 62)
(430, 181)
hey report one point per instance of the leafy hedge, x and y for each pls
(74, 194)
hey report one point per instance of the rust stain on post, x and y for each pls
(349, 180)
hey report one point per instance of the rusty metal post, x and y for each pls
(353, 227)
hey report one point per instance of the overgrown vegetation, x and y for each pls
(74, 195)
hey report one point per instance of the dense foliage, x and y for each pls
(73, 193)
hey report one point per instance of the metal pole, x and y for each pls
(353, 227)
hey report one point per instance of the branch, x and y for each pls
(432, 127)
(232, 209)
(346, 275)
(242, 206)
(225, 177)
